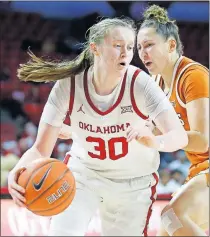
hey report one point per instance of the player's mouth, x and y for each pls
(148, 64)
(122, 64)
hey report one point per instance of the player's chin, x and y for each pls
(122, 71)
(153, 71)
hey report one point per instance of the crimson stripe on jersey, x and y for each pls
(67, 120)
(138, 112)
(72, 93)
(66, 159)
(91, 103)
(152, 198)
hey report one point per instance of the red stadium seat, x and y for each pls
(33, 111)
(44, 91)
(8, 132)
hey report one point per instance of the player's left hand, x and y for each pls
(143, 135)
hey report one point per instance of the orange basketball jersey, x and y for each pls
(190, 82)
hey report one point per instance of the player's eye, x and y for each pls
(130, 47)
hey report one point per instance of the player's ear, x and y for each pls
(94, 49)
(172, 45)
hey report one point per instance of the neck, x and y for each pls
(167, 73)
(103, 82)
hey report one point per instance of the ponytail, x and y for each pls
(40, 70)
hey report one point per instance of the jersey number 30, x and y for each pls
(103, 149)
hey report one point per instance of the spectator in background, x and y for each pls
(48, 46)
(28, 137)
(167, 184)
(178, 176)
(62, 149)
(14, 108)
(181, 163)
(4, 74)
(15, 112)
(7, 163)
(18, 95)
(166, 159)
(33, 95)
(10, 147)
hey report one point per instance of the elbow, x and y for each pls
(186, 139)
(205, 147)
(205, 143)
(183, 138)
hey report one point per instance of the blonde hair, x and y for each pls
(40, 70)
(157, 17)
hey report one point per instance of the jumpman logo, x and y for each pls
(80, 109)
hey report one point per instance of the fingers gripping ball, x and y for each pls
(49, 186)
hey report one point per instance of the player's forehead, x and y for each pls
(147, 34)
(120, 34)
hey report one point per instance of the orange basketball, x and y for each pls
(49, 186)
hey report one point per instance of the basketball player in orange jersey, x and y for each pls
(105, 98)
(186, 84)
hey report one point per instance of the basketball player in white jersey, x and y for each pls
(114, 156)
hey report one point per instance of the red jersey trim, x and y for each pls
(152, 198)
(72, 94)
(138, 112)
(90, 101)
(67, 120)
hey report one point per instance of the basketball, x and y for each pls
(49, 186)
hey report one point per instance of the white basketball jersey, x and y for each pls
(99, 137)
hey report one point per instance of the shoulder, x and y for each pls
(195, 74)
(137, 76)
(191, 69)
(194, 82)
(63, 83)
(196, 69)
(133, 69)
(67, 82)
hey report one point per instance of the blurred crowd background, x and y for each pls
(56, 30)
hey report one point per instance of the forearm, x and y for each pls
(197, 143)
(29, 156)
(172, 141)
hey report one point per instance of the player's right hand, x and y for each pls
(143, 135)
(15, 190)
(65, 132)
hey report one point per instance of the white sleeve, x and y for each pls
(151, 98)
(57, 104)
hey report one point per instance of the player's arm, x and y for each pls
(196, 93)
(50, 124)
(199, 125)
(173, 136)
(162, 113)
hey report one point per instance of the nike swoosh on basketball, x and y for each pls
(39, 185)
